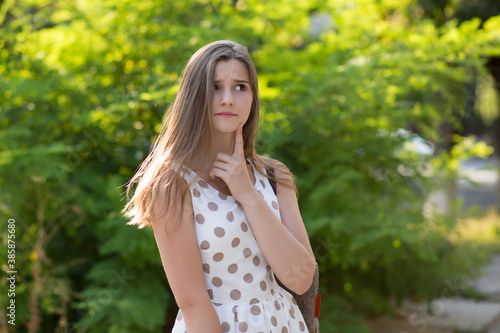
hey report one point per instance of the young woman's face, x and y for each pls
(232, 98)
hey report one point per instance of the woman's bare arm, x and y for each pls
(290, 213)
(181, 260)
(284, 244)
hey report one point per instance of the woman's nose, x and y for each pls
(227, 98)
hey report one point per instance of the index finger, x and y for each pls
(238, 144)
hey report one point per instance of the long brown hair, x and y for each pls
(186, 132)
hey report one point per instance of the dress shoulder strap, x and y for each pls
(187, 174)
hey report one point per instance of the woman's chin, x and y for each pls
(227, 128)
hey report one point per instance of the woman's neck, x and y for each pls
(221, 143)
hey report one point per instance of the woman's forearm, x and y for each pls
(292, 263)
(201, 318)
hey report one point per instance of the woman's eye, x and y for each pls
(240, 87)
(216, 87)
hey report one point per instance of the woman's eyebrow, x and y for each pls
(235, 80)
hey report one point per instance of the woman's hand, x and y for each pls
(232, 169)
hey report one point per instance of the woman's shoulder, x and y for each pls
(272, 163)
(167, 193)
(279, 172)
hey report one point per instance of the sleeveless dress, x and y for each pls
(239, 281)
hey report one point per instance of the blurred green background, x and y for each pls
(84, 86)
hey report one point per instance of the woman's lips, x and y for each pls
(226, 114)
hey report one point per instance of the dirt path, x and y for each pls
(387, 324)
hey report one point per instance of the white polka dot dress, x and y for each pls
(239, 281)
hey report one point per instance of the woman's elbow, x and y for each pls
(300, 279)
(305, 284)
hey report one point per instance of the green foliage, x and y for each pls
(83, 89)
(443, 10)
(340, 318)
(362, 195)
(115, 302)
(488, 100)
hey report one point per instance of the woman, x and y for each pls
(221, 231)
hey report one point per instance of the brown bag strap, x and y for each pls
(271, 174)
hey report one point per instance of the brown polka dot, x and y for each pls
(217, 304)
(230, 217)
(222, 196)
(244, 227)
(206, 268)
(219, 232)
(274, 321)
(275, 205)
(247, 252)
(254, 301)
(272, 292)
(238, 204)
(179, 315)
(218, 256)
(233, 268)
(284, 330)
(292, 313)
(217, 282)
(235, 242)
(200, 218)
(243, 327)
(213, 206)
(262, 183)
(276, 304)
(235, 294)
(210, 293)
(271, 276)
(262, 195)
(255, 310)
(248, 278)
(196, 193)
(294, 301)
(256, 261)
(205, 245)
(225, 327)
(268, 268)
(263, 285)
(302, 326)
(203, 183)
